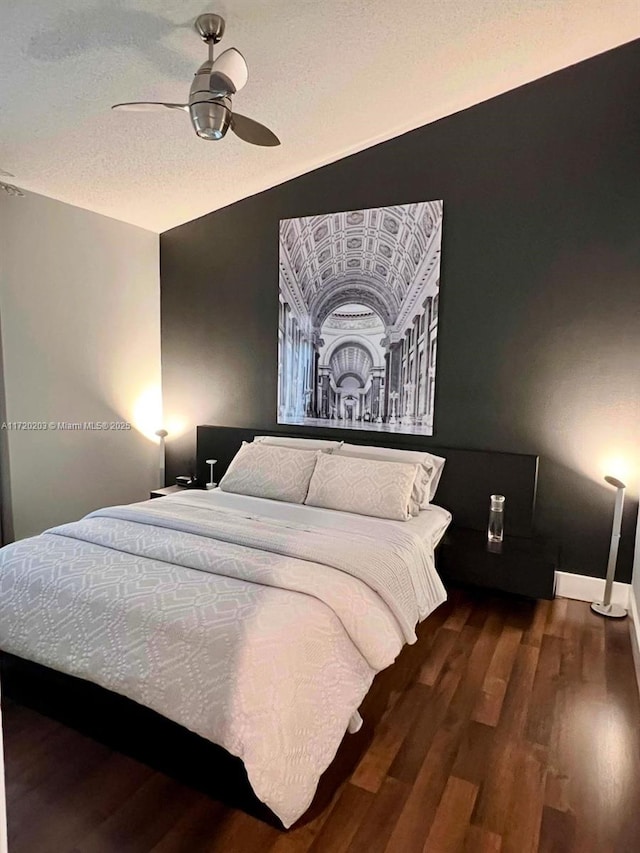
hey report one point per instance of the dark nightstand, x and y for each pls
(168, 490)
(520, 565)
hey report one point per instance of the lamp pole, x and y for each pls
(605, 607)
(162, 434)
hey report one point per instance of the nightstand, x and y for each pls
(519, 565)
(168, 490)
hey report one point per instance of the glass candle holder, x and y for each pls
(495, 529)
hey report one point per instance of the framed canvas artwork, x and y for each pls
(358, 319)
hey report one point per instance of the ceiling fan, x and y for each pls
(10, 189)
(213, 86)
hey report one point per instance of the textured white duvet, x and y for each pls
(258, 625)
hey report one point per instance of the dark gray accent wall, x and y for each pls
(539, 336)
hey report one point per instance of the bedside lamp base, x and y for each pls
(210, 484)
(613, 611)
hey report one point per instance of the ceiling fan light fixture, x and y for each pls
(213, 84)
(214, 133)
(210, 119)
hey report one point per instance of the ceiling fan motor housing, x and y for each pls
(210, 118)
(210, 27)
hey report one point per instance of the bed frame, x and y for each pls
(469, 477)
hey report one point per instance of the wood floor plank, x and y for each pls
(414, 822)
(472, 758)
(521, 831)
(621, 683)
(392, 732)
(540, 713)
(571, 663)
(483, 608)
(525, 739)
(45, 761)
(520, 613)
(594, 668)
(67, 813)
(440, 652)
(410, 757)
(458, 619)
(346, 816)
(493, 807)
(534, 631)
(556, 617)
(489, 705)
(594, 745)
(378, 823)
(194, 828)
(239, 831)
(141, 821)
(479, 840)
(451, 821)
(300, 838)
(402, 710)
(24, 727)
(557, 831)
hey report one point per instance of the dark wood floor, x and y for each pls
(521, 733)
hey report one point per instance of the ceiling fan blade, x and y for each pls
(220, 85)
(252, 131)
(148, 106)
(232, 64)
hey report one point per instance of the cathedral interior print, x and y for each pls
(358, 319)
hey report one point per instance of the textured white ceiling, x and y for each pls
(330, 77)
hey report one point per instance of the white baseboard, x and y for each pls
(584, 588)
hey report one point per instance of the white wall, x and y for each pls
(80, 317)
(635, 602)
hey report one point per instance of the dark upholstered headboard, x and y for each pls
(469, 477)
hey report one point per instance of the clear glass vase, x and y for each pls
(495, 530)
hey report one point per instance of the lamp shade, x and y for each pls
(614, 482)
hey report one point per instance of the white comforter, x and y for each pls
(258, 625)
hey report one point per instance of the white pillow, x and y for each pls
(438, 465)
(263, 471)
(299, 443)
(427, 477)
(363, 486)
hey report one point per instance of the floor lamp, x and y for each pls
(605, 607)
(162, 434)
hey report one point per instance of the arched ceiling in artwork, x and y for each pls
(351, 359)
(369, 257)
(349, 318)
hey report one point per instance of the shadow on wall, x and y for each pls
(181, 456)
(577, 512)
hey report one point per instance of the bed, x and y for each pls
(256, 624)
